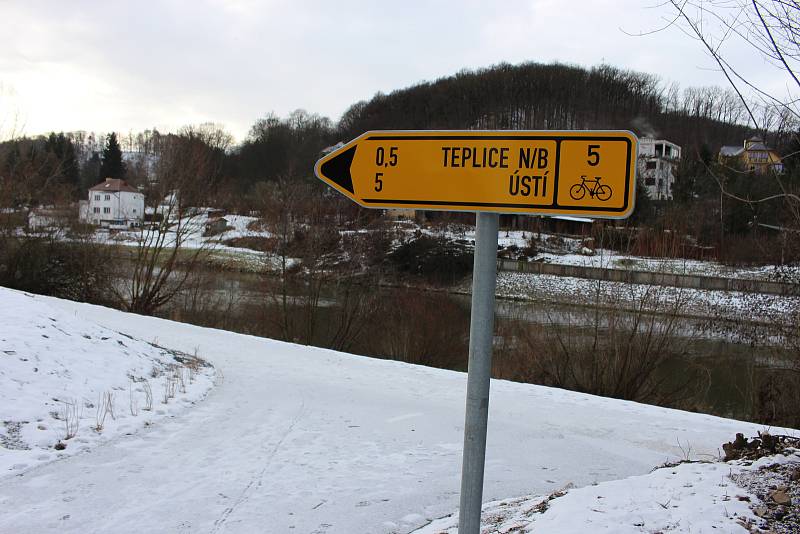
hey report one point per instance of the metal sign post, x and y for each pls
(586, 173)
(481, 335)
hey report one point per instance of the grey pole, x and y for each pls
(481, 334)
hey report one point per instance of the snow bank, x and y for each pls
(60, 375)
(701, 302)
(701, 498)
(301, 439)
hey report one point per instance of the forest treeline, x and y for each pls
(526, 96)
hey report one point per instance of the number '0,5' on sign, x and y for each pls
(590, 173)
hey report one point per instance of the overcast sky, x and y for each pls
(133, 65)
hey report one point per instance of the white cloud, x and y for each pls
(134, 65)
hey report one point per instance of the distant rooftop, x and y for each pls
(730, 151)
(756, 145)
(114, 185)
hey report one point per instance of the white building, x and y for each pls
(114, 203)
(658, 166)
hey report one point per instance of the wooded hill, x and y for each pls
(556, 96)
(526, 96)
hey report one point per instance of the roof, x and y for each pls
(114, 185)
(757, 145)
(730, 151)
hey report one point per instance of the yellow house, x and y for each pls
(754, 156)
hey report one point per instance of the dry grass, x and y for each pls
(71, 412)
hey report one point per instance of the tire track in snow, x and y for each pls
(258, 479)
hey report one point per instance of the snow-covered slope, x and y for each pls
(697, 498)
(298, 439)
(67, 383)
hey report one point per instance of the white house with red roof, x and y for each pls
(114, 203)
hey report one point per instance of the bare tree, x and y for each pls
(620, 346)
(770, 28)
(169, 247)
(306, 259)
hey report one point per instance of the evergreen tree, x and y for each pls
(65, 163)
(693, 179)
(112, 165)
(90, 174)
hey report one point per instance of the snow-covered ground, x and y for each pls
(731, 305)
(570, 254)
(300, 439)
(700, 498)
(614, 260)
(73, 383)
(219, 250)
(192, 228)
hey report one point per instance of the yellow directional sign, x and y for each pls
(590, 173)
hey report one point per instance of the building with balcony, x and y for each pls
(658, 166)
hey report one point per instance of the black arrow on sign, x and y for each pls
(337, 170)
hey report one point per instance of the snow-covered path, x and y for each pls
(306, 440)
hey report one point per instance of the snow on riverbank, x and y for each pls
(66, 382)
(698, 302)
(568, 253)
(300, 439)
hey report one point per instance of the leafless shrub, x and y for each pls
(166, 385)
(105, 407)
(192, 366)
(110, 402)
(179, 378)
(169, 384)
(70, 414)
(148, 395)
(133, 403)
(621, 347)
(427, 329)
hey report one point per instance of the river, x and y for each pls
(431, 328)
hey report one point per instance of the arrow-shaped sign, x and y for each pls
(590, 173)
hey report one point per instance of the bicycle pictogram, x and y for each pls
(595, 189)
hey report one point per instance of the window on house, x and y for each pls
(108, 197)
(659, 150)
(97, 197)
(134, 210)
(106, 210)
(97, 210)
(667, 151)
(651, 165)
(650, 181)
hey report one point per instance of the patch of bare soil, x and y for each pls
(777, 485)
